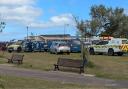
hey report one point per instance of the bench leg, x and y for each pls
(10, 61)
(56, 67)
(81, 70)
(19, 62)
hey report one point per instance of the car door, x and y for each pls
(53, 47)
(104, 46)
(97, 47)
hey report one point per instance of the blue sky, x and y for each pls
(46, 16)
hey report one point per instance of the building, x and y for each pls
(54, 37)
(34, 38)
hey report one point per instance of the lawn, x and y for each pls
(112, 67)
(13, 82)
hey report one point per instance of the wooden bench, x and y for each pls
(66, 62)
(16, 58)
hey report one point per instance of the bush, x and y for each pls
(90, 64)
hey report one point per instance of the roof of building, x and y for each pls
(57, 35)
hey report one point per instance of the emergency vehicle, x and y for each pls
(110, 46)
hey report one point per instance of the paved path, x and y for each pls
(62, 77)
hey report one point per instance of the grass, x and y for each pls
(112, 67)
(13, 82)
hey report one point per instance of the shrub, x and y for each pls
(90, 64)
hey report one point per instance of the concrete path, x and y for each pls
(63, 77)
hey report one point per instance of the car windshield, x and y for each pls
(63, 44)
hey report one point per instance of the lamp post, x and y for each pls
(27, 33)
(65, 29)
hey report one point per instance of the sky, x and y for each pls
(46, 16)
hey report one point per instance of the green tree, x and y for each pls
(108, 21)
(82, 26)
(94, 27)
(2, 26)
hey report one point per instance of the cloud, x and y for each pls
(16, 2)
(55, 21)
(65, 18)
(25, 12)
(21, 13)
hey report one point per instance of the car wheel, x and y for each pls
(9, 51)
(110, 52)
(68, 53)
(19, 49)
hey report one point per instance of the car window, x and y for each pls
(124, 41)
(102, 43)
(63, 45)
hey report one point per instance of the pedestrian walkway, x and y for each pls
(63, 77)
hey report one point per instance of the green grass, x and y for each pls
(13, 82)
(112, 67)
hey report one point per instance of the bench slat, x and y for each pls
(74, 63)
(69, 62)
(16, 57)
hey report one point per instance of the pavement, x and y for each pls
(63, 77)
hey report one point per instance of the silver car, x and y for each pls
(60, 47)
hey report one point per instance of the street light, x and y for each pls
(27, 32)
(65, 29)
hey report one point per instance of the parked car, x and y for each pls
(27, 46)
(38, 46)
(75, 45)
(16, 46)
(75, 48)
(118, 46)
(60, 47)
(47, 46)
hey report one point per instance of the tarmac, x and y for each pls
(63, 77)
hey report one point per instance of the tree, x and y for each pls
(82, 26)
(2, 26)
(108, 21)
(94, 27)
